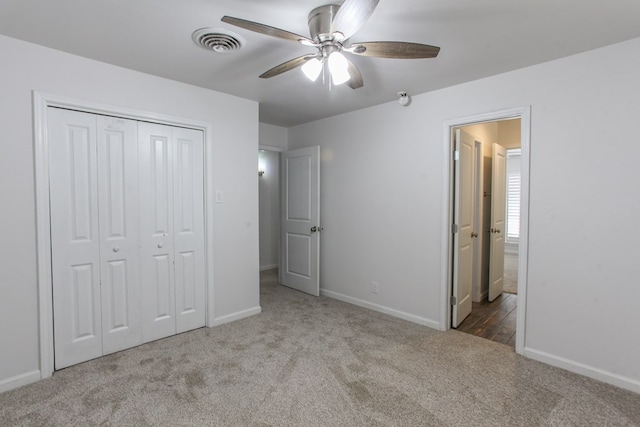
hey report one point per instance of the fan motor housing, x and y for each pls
(320, 22)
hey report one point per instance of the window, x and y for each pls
(513, 195)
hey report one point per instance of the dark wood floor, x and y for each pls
(494, 320)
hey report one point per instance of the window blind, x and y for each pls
(513, 195)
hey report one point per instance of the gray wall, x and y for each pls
(27, 67)
(382, 192)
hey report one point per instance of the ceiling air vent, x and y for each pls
(217, 40)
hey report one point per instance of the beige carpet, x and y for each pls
(309, 361)
(510, 278)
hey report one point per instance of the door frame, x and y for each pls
(478, 207)
(41, 103)
(278, 150)
(524, 114)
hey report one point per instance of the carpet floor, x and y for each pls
(307, 361)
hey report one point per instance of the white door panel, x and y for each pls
(464, 219)
(498, 223)
(155, 175)
(75, 237)
(189, 229)
(301, 215)
(118, 209)
(127, 221)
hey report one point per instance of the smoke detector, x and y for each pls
(403, 98)
(217, 39)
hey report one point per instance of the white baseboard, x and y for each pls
(235, 316)
(268, 267)
(483, 296)
(582, 369)
(19, 380)
(382, 309)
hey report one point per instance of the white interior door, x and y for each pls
(119, 236)
(300, 233)
(188, 215)
(463, 227)
(498, 223)
(171, 173)
(155, 171)
(127, 233)
(75, 236)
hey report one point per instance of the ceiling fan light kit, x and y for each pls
(330, 27)
(312, 69)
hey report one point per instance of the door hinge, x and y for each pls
(454, 228)
(452, 300)
(456, 155)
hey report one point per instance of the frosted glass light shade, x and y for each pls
(312, 69)
(339, 68)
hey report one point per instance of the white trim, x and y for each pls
(582, 369)
(19, 380)
(270, 148)
(41, 102)
(278, 150)
(236, 316)
(381, 309)
(478, 207)
(524, 114)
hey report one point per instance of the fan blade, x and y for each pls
(266, 29)
(352, 15)
(396, 50)
(355, 82)
(287, 66)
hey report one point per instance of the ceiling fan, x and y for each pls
(331, 26)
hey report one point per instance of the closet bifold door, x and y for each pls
(171, 174)
(155, 173)
(119, 236)
(75, 236)
(189, 229)
(94, 235)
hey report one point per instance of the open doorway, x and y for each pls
(459, 232)
(289, 215)
(495, 220)
(269, 209)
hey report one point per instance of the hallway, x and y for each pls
(494, 320)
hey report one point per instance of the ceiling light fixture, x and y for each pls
(330, 29)
(339, 68)
(336, 64)
(312, 69)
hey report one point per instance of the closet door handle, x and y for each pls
(116, 249)
(160, 245)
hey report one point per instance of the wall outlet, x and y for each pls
(374, 287)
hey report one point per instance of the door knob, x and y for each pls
(474, 234)
(160, 245)
(315, 229)
(497, 230)
(116, 249)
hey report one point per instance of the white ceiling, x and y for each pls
(478, 38)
